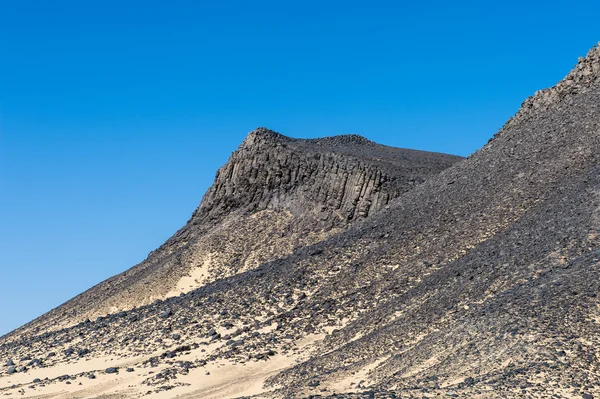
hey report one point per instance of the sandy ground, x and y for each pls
(220, 380)
(348, 383)
(195, 278)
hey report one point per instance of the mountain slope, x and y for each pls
(481, 282)
(274, 195)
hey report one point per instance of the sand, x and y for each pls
(220, 380)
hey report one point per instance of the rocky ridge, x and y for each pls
(274, 195)
(580, 78)
(329, 181)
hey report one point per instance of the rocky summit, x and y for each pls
(340, 268)
(274, 196)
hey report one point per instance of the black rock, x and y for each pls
(82, 352)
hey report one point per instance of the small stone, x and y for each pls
(111, 370)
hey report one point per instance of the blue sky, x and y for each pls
(115, 115)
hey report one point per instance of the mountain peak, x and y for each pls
(264, 135)
(579, 79)
(287, 192)
(345, 139)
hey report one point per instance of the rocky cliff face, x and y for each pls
(275, 195)
(331, 181)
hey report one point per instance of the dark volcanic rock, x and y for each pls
(166, 313)
(332, 180)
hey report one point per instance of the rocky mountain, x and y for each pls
(275, 194)
(481, 282)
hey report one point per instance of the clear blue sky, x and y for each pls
(115, 115)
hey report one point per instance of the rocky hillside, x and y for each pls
(481, 282)
(275, 194)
